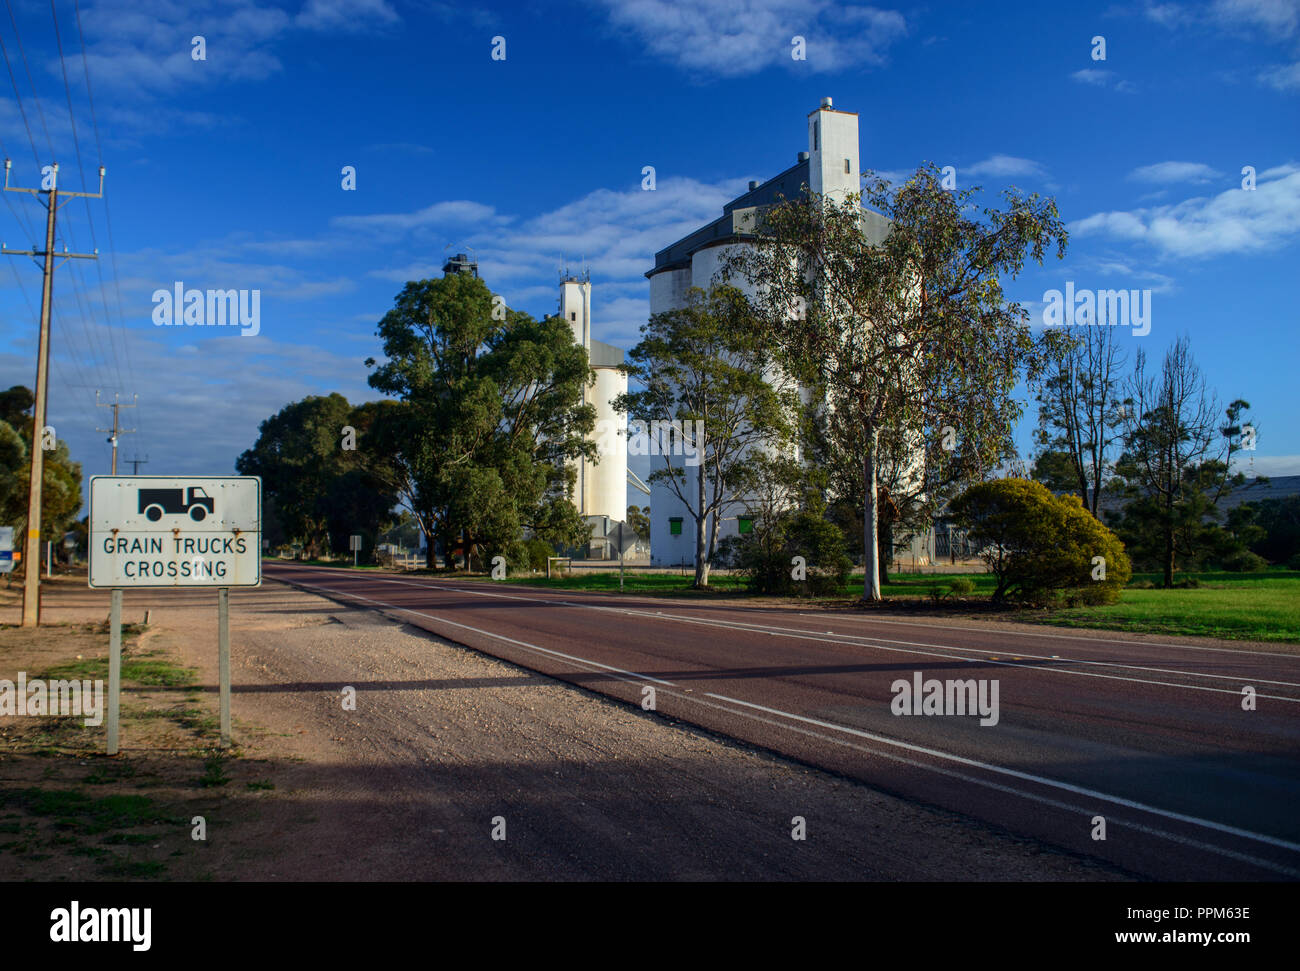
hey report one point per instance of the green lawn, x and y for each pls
(1240, 606)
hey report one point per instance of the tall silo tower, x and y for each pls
(601, 491)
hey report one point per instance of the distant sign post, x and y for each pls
(354, 544)
(156, 531)
(624, 537)
(6, 549)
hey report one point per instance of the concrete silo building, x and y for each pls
(601, 490)
(830, 167)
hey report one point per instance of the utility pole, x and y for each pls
(136, 463)
(32, 547)
(116, 429)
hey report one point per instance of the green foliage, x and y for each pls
(1185, 524)
(639, 519)
(489, 419)
(1056, 470)
(1279, 524)
(1244, 561)
(901, 325)
(1041, 548)
(961, 586)
(1176, 465)
(766, 555)
(60, 476)
(536, 553)
(705, 362)
(321, 492)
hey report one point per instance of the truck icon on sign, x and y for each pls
(175, 502)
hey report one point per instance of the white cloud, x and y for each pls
(733, 38)
(1103, 79)
(1277, 18)
(615, 232)
(138, 52)
(131, 51)
(347, 15)
(1283, 78)
(203, 395)
(1234, 221)
(1004, 166)
(1092, 75)
(436, 216)
(1167, 14)
(1164, 172)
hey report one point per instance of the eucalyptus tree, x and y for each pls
(492, 411)
(703, 370)
(900, 317)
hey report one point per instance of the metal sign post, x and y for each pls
(114, 668)
(354, 543)
(155, 531)
(223, 660)
(625, 538)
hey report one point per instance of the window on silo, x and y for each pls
(815, 136)
(675, 525)
(745, 524)
(847, 170)
(573, 315)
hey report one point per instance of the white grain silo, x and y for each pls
(829, 167)
(601, 490)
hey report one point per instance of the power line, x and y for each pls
(108, 212)
(86, 332)
(40, 112)
(90, 221)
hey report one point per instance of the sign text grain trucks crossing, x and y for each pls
(152, 531)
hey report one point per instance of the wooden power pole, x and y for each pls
(32, 546)
(117, 429)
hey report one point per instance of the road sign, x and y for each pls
(6, 549)
(621, 536)
(159, 531)
(354, 543)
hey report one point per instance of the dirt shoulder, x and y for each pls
(444, 748)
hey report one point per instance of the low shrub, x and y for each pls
(1044, 550)
(1244, 561)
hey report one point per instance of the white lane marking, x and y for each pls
(1021, 793)
(855, 640)
(1077, 790)
(1026, 776)
(1056, 657)
(1063, 637)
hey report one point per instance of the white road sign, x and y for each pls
(6, 549)
(159, 531)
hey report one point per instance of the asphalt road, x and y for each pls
(1151, 737)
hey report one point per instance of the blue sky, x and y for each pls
(226, 172)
